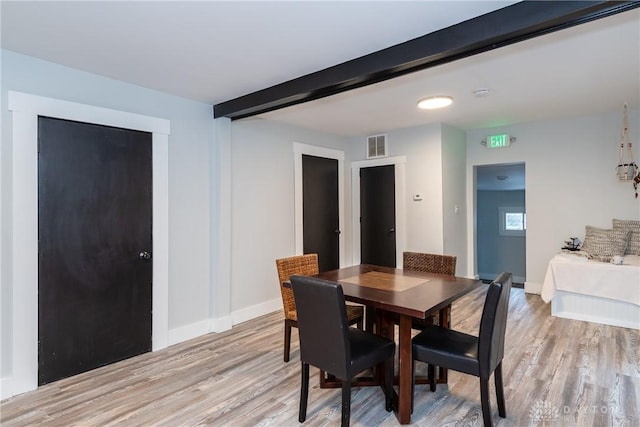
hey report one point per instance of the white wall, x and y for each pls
(191, 136)
(454, 191)
(262, 203)
(435, 169)
(570, 180)
(423, 150)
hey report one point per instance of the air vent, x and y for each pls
(376, 146)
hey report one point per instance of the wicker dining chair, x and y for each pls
(431, 263)
(303, 265)
(438, 264)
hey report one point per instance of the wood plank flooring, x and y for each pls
(557, 372)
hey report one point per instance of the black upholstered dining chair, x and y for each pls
(328, 343)
(480, 356)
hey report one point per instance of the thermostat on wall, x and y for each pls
(417, 197)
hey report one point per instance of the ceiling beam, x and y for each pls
(511, 24)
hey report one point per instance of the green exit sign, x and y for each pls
(498, 141)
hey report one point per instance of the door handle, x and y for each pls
(337, 231)
(392, 230)
(144, 255)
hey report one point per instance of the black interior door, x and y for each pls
(94, 230)
(320, 213)
(378, 216)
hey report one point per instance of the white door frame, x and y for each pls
(401, 219)
(25, 110)
(327, 153)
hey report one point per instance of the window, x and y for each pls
(512, 221)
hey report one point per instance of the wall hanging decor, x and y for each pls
(627, 169)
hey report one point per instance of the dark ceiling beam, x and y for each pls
(511, 24)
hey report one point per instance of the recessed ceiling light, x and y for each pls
(434, 102)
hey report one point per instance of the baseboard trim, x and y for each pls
(257, 310)
(187, 332)
(491, 276)
(220, 324)
(533, 288)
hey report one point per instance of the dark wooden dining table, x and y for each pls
(403, 294)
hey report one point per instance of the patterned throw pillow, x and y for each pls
(603, 244)
(633, 246)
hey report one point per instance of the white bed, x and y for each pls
(593, 291)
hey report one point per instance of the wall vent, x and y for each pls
(376, 146)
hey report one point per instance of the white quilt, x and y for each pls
(577, 274)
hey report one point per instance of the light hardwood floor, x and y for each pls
(557, 372)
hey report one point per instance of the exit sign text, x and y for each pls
(498, 141)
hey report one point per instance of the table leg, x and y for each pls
(405, 362)
(445, 322)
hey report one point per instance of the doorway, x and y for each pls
(94, 261)
(320, 223)
(25, 110)
(501, 221)
(399, 164)
(304, 150)
(378, 216)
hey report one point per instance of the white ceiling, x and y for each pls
(588, 69)
(213, 51)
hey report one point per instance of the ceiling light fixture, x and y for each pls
(434, 102)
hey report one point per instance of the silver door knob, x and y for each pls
(144, 255)
(392, 230)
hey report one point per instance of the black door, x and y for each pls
(94, 230)
(320, 212)
(378, 216)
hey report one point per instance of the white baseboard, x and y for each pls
(220, 324)
(257, 310)
(533, 288)
(491, 276)
(186, 332)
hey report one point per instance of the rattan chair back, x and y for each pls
(301, 265)
(429, 263)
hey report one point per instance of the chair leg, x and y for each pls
(287, 340)
(500, 391)
(346, 403)
(484, 398)
(431, 372)
(304, 392)
(388, 384)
